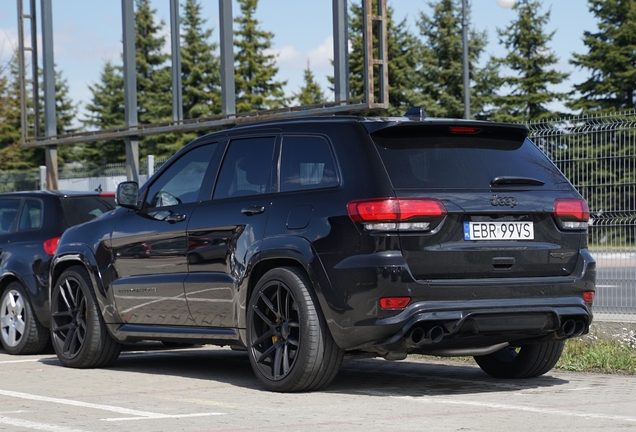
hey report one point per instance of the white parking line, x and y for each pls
(51, 359)
(27, 424)
(137, 414)
(498, 406)
(162, 416)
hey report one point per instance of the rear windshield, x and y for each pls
(83, 209)
(419, 158)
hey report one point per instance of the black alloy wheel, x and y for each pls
(78, 332)
(289, 344)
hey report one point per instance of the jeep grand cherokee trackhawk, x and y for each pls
(301, 240)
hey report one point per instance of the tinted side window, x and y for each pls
(181, 182)
(83, 209)
(8, 214)
(246, 168)
(306, 163)
(31, 216)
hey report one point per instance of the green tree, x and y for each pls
(65, 117)
(311, 93)
(12, 154)
(255, 69)
(106, 111)
(530, 62)
(154, 80)
(11, 150)
(611, 59)
(405, 59)
(442, 71)
(200, 68)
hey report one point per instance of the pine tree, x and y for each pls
(442, 72)
(12, 154)
(65, 115)
(530, 60)
(154, 80)
(404, 61)
(106, 111)
(201, 69)
(255, 69)
(310, 93)
(611, 59)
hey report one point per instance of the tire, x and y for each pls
(529, 361)
(78, 332)
(289, 344)
(20, 330)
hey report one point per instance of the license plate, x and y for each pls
(498, 231)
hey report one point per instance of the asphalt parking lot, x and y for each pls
(213, 389)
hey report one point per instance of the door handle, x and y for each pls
(252, 210)
(175, 217)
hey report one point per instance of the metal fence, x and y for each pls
(598, 155)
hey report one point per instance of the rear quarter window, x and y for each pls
(306, 163)
(419, 158)
(83, 209)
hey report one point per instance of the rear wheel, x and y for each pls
(527, 361)
(78, 331)
(289, 344)
(20, 330)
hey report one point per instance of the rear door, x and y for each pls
(8, 225)
(225, 232)
(499, 192)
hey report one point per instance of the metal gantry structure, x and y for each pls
(375, 24)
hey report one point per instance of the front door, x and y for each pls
(150, 245)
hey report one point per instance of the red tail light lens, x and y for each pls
(50, 245)
(571, 213)
(394, 209)
(394, 302)
(588, 296)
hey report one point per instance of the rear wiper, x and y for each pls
(498, 181)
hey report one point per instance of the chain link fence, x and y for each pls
(598, 155)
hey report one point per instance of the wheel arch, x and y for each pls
(294, 252)
(80, 255)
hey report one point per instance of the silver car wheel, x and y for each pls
(12, 323)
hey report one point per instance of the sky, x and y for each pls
(88, 33)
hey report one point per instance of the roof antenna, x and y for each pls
(416, 113)
(99, 188)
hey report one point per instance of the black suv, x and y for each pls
(31, 224)
(301, 240)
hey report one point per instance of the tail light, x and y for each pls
(392, 214)
(571, 213)
(50, 245)
(394, 302)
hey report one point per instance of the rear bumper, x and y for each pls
(467, 313)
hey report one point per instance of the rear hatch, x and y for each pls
(507, 211)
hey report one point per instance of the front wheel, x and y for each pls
(20, 330)
(526, 361)
(78, 331)
(289, 344)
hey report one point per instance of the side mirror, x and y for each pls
(126, 195)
